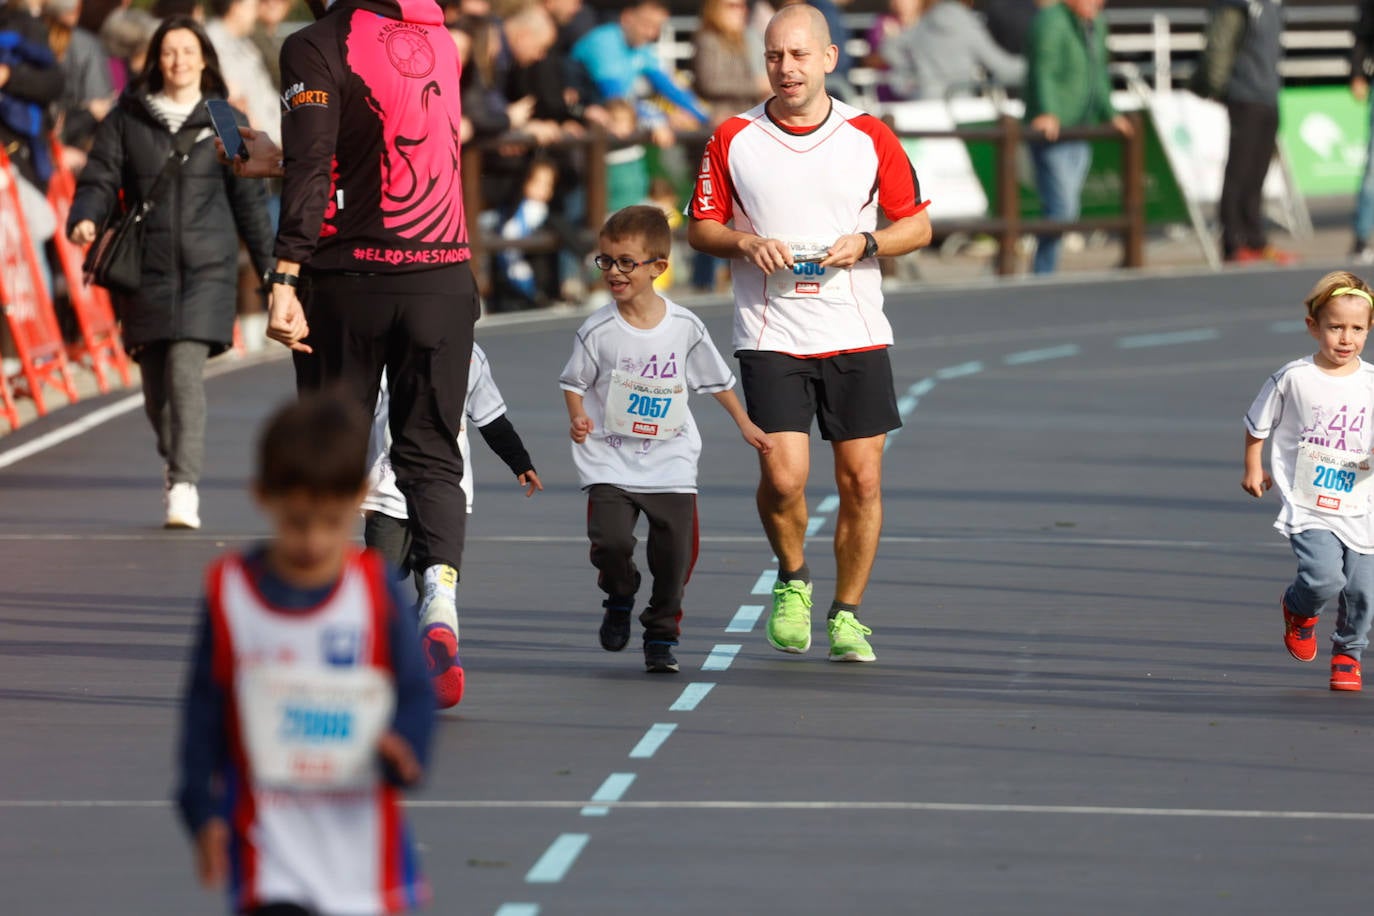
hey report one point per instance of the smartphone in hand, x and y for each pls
(227, 128)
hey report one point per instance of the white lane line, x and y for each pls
(691, 695)
(1287, 327)
(557, 859)
(764, 585)
(725, 805)
(973, 367)
(1026, 357)
(612, 790)
(518, 909)
(1166, 339)
(769, 577)
(745, 618)
(829, 504)
(1087, 542)
(114, 409)
(721, 657)
(814, 525)
(71, 430)
(653, 740)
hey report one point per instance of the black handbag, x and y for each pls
(115, 261)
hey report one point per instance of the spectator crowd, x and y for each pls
(540, 76)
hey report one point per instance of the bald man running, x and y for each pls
(790, 190)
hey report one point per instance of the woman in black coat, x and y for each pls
(183, 312)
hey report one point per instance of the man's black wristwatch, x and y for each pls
(870, 245)
(272, 278)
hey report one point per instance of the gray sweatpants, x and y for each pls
(671, 550)
(174, 399)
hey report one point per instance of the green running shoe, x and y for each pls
(789, 626)
(847, 643)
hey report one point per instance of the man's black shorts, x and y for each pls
(850, 395)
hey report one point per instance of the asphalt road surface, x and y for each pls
(1081, 702)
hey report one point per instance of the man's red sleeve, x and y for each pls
(899, 191)
(714, 194)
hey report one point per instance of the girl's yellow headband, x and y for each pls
(1351, 291)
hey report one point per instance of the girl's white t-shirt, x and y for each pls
(678, 347)
(1302, 405)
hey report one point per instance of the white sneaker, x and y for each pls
(183, 506)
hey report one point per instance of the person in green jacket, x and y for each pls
(1067, 85)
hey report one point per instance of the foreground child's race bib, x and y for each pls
(1331, 480)
(647, 408)
(806, 278)
(312, 728)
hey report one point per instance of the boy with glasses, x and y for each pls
(635, 445)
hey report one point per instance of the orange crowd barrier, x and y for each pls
(100, 345)
(28, 309)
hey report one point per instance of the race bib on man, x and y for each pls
(314, 729)
(806, 279)
(1331, 480)
(647, 408)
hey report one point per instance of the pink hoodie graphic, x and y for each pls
(421, 180)
(387, 118)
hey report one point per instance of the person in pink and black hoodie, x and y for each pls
(372, 265)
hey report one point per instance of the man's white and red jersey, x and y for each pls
(807, 187)
(309, 847)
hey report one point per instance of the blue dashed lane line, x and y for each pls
(557, 859)
(612, 790)
(720, 658)
(745, 619)
(1170, 338)
(691, 696)
(962, 370)
(814, 525)
(1026, 357)
(653, 740)
(562, 854)
(1287, 327)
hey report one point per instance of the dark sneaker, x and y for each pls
(615, 623)
(1345, 673)
(1299, 635)
(658, 658)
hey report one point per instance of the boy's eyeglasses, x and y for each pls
(626, 264)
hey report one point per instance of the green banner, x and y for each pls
(1324, 130)
(1164, 202)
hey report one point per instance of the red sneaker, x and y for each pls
(1278, 256)
(1268, 254)
(1299, 635)
(1345, 673)
(440, 647)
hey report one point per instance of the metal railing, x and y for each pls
(1007, 225)
(592, 147)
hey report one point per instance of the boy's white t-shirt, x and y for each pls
(483, 405)
(679, 347)
(1301, 403)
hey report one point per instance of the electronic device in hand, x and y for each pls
(227, 128)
